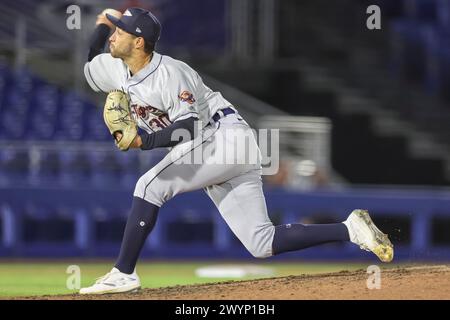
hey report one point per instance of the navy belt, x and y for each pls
(222, 113)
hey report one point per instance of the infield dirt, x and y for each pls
(422, 282)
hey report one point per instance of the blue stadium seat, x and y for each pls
(42, 126)
(71, 118)
(424, 10)
(13, 166)
(23, 81)
(74, 168)
(410, 41)
(95, 126)
(129, 163)
(45, 99)
(45, 170)
(70, 126)
(13, 125)
(434, 53)
(105, 169)
(36, 110)
(16, 101)
(44, 113)
(443, 13)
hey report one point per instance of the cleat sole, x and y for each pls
(384, 249)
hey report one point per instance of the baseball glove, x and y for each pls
(117, 116)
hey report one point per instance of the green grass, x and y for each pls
(49, 278)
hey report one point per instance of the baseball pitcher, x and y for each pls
(169, 102)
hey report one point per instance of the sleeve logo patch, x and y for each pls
(186, 96)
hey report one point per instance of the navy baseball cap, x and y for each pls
(139, 22)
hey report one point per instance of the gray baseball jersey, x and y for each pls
(167, 90)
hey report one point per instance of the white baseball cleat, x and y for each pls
(114, 282)
(367, 236)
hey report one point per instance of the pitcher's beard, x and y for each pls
(118, 54)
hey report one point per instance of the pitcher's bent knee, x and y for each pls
(260, 245)
(151, 191)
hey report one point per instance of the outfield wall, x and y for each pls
(57, 222)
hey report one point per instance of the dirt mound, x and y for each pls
(425, 282)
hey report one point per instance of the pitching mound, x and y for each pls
(426, 282)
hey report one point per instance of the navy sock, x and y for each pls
(140, 223)
(290, 237)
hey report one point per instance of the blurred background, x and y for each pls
(363, 117)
